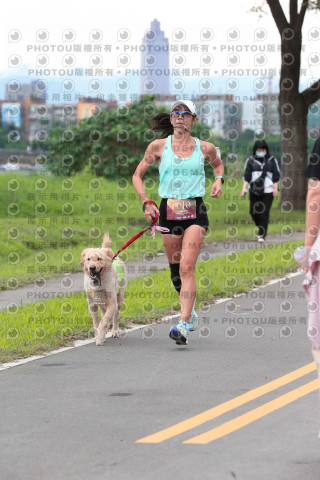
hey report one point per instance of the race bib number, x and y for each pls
(181, 209)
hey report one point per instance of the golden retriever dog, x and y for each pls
(104, 287)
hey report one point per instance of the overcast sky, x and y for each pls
(240, 43)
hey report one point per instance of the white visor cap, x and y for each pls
(187, 103)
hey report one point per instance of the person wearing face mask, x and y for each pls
(266, 167)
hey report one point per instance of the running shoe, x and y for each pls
(260, 239)
(180, 333)
(193, 320)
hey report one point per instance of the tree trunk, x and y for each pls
(294, 155)
(293, 120)
(299, 175)
(293, 106)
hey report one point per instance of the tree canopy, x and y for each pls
(111, 143)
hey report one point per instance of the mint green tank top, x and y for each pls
(181, 177)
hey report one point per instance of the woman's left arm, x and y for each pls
(210, 155)
(275, 189)
(275, 170)
(275, 176)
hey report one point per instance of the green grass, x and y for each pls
(48, 221)
(44, 326)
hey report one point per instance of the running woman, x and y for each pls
(181, 159)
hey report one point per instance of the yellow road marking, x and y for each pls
(214, 412)
(254, 414)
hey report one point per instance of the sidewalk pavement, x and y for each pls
(81, 414)
(73, 283)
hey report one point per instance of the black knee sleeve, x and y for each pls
(175, 275)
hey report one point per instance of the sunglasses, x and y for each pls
(183, 113)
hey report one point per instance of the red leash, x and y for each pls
(152, 225)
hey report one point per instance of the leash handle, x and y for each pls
(156, 216)
(135, 237)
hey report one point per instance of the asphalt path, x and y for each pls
(42, 289)
(106, 412)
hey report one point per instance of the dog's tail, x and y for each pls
(106, 243)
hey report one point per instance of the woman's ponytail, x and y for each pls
(161, 123)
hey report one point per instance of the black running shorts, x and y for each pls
(178, 227)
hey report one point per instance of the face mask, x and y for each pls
(261, 154)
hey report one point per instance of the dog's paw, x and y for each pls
(100, 341)
(115, 333)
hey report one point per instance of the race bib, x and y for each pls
(181, 209)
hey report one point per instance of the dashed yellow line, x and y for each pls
(254, 414)
(215, 412)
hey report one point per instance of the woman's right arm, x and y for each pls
(247, 177)
(312, 212)
(151, 155)
(244, 189)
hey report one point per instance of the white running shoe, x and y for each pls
(193, 320)
(180, 333)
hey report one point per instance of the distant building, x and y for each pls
(88, 106)
(16, 113)
(11, 114)
(265, 110)
(220, 112)
(16, 107)
(261, 113)
(233, 112)
(26, 109)
(266, 113)
(43, 116)
(16, 91)
(154, 71)
(248, 120)
(210, 112)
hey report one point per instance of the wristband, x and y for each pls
(148, 201)
(222, 179)
(156, 216)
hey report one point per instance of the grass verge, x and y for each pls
(47, 325)
(48, 221)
